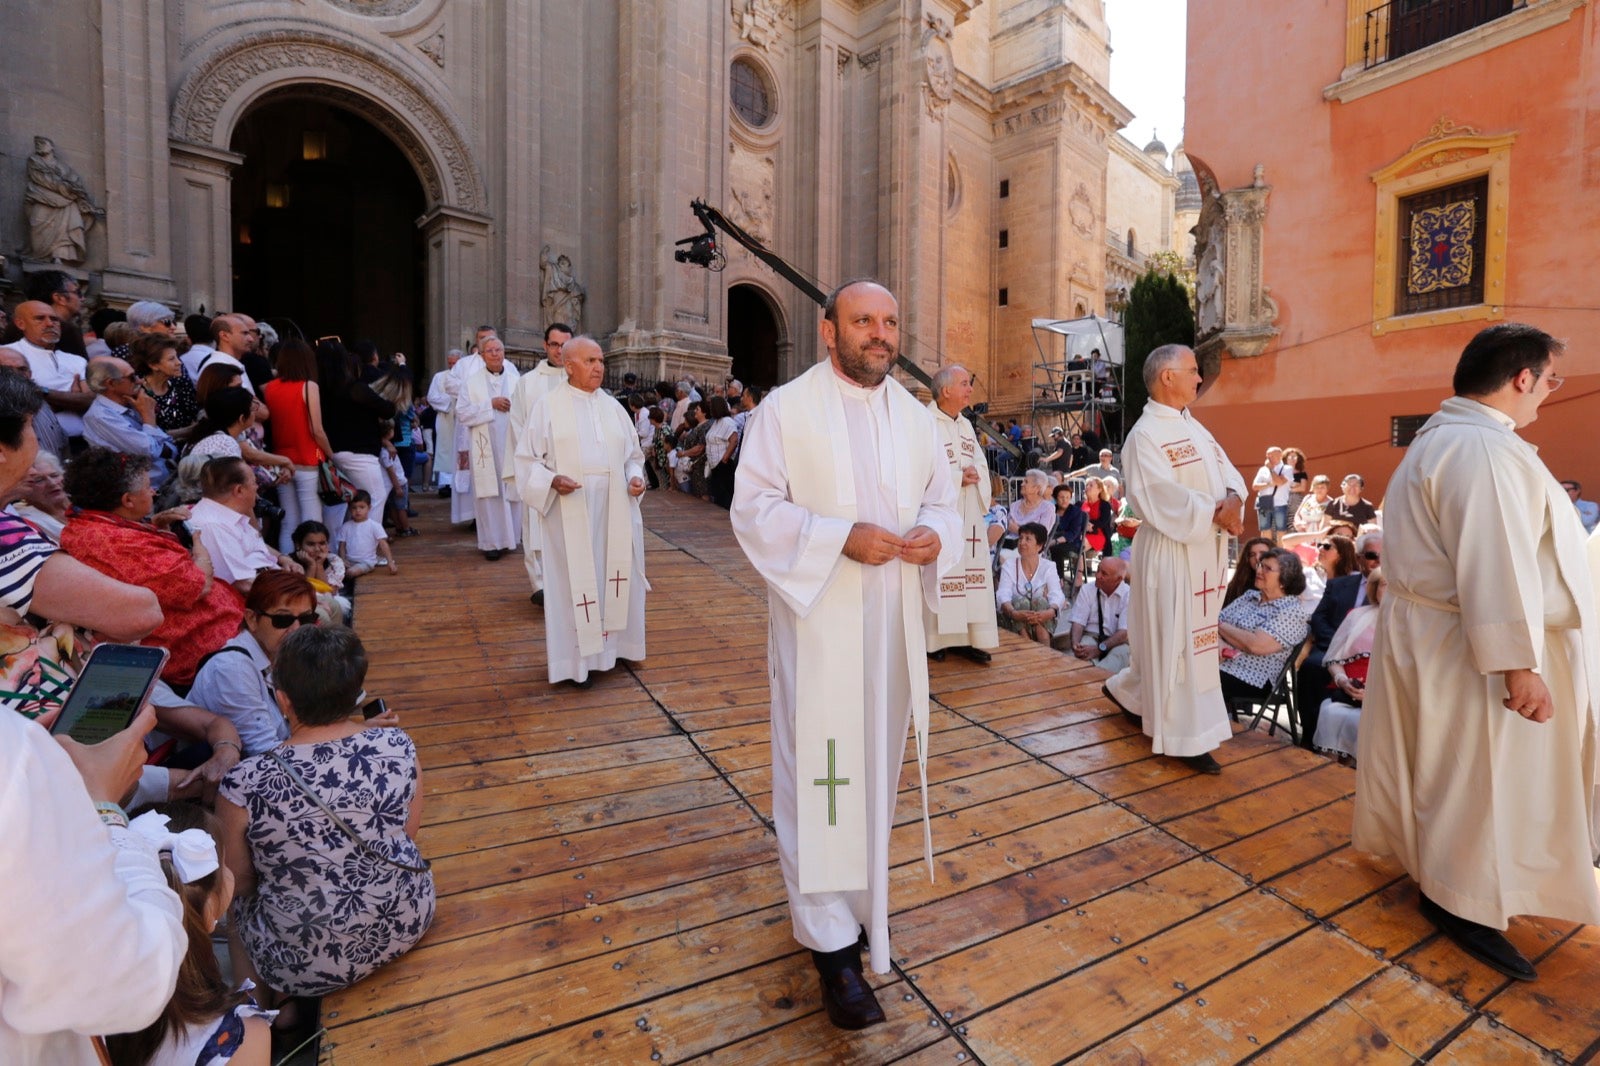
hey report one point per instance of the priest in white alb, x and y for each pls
(1479, 748)
(448, 471)
(580, 469)
(964, 621)
(550, 372)
(1190, 499)
(844, 503)
(483, 424)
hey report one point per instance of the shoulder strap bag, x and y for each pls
(369, 852)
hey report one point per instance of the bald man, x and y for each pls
(60, 374)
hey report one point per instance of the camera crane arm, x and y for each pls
(703, 251)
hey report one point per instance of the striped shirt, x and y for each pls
(22, 552)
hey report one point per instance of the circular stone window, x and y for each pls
(751, 93)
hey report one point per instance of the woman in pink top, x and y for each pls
(296, 425)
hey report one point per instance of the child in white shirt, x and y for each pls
(362, 543)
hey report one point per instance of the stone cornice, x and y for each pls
(1070, 78)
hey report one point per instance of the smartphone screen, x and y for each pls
(374, 708)
(113, 686)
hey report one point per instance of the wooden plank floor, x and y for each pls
(609, 889)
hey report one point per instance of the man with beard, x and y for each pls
(845, 504)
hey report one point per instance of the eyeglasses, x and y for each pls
(1371, 557)
(1324, 545)
(168, 322)
(284, 621)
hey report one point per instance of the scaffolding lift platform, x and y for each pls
(1077, 382)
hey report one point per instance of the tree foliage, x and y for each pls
(1158, 312)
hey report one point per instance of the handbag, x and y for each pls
(366, 850)
(333, 488)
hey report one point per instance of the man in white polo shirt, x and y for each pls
(60, 374)
(222, 522)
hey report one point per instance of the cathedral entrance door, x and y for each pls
(753, 337)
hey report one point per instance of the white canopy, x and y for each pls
(1080, 336)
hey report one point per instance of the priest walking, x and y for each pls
(1191, 499)
(964, 621)
(844, 502)
(580, 468)
(532, 385)
(483, 417)
(1479, 745)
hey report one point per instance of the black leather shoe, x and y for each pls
(937, 656)
(977, 655)
(849, 1000)
(1488, 946)
(1204, 763)
(537, 599)
(1105, 690)
(493, 554)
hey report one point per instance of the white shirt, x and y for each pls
(1091, 601)
(236, 548)
(1263, 483)
(54, 371)
(216, 357)
(722, 431)
(94, 936)
(358, 541)
(191, 360)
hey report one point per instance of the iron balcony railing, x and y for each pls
(1401, 27)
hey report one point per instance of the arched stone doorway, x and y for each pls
(324, 224)
(389, 90)
(756, 339)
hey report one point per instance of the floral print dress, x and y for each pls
(325, 913)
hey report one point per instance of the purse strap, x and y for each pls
(299, 782)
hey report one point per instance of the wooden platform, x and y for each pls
(609, 890)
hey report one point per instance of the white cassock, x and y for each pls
(1176, 476)
(593, 537)
(482, 432)
(1488, 571)
(532, 385)
(442, 398)
(846, 654)
(966, 616)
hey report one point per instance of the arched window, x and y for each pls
(1130, 244)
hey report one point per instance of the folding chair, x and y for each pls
(1282, 696)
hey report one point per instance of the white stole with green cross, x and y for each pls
(830, 675)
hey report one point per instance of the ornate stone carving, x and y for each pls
(760, 21)
(60, 211)
(376, 8)
(939, 68)
(1442, 127)
(842, 61)
(752, 189)
(868, 60)
(561, 296)
(1042, 115)
(416, 121)
(1080, 211)
(433, 48)
(1234, 309)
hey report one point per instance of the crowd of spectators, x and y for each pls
(186, 502)
(690, 441)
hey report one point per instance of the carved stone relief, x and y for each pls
(60, 211)
(216, 81)
(433, 48)
(939, 68)
(561, 296)
(752, 189)
(376, 8)
(1234, 307)
(760, 21)
(1080, 211)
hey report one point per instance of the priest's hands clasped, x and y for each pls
(1229, 515)
(563, 484)
(873, 545)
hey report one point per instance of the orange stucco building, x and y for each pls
(1427, 168)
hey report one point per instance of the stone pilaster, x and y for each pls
(200, 182)
(138, 206)
(1234, 309)
(459, 287)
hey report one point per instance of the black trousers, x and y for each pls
(1311, 683)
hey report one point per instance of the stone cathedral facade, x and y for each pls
(407, 169)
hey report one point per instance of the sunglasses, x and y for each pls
(1371, 557)
(1324, 545)
(284, 621)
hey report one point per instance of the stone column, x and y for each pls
(133, 35)
(459, 288)
(672, 129)
(521, 77)
(201, 178)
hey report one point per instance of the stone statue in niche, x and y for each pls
(562, 297)
(1208, 287)
(758, 21)
(59, 209)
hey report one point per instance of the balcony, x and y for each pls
(1401, 27)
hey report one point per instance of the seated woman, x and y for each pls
(1260, 627)
(1099, 516)
(206, 1020)
(41, 500)
(154, 358)
(320, 833)
(1029, 595)
(1033, 504)
(1251, 552)
(1335, 557)
(1348, 657)
(232, 680)
(1066, 534)
(113, 532)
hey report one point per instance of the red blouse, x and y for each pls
(192, 625)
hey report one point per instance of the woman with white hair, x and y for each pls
(41, 500)
(1034, 505)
